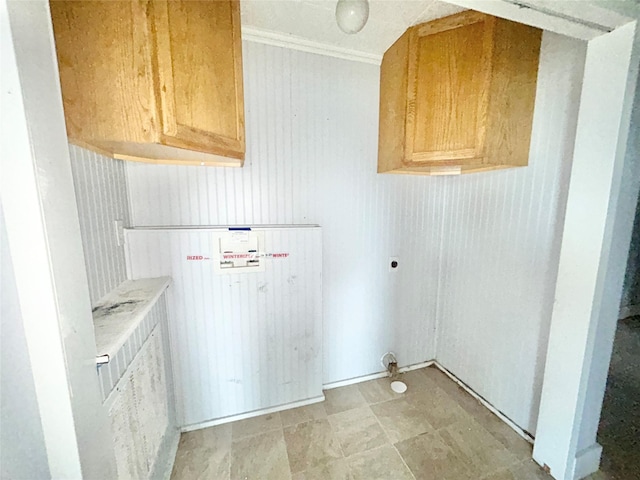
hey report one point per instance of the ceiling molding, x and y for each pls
(267, 37)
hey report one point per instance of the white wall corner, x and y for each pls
(587, 461)
(604, 184)
(37, 194)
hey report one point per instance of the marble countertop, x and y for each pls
(116, 315)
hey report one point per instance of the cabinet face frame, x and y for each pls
(185, 136)
(117, 76)
(461, 101)
(449, 157)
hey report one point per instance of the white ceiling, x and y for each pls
(310, 24)
(314, 21)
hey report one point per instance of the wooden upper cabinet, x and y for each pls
(153, 80)
(457, 96)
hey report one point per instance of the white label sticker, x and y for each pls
(240, 236)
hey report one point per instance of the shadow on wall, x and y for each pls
(630, 304)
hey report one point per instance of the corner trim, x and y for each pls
(587, 461)
(258, 35)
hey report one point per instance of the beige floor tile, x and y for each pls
(212, 437)
(502, 432)
(527, 470)
(440, 431)
(377, 391)
(530, 470)
(336, 470)
(477, 447)
(357, 430)
(344, 398)
(400, 420)
(430, 458)
(383, 463)
(418, 380)
(203, 454)
(437, 406)
(434, 374)
(256, 425)
(199, 464)
(438, 378)
(460, 399)
(298, 415)
(310, 445)
(260, 457)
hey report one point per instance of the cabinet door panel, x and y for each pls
(449, 94)
(200, 75)
(104, 59)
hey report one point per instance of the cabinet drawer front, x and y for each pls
(199, 54)
(448, 75)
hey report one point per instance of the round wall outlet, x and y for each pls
(393, 264)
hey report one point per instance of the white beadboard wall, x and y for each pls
(478, 253)
(101, 195)
(500, 257)
(240, 342)
(311, 124)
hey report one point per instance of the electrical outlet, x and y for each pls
(119, 230)
(393, 264)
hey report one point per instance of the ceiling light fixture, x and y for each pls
(352, 15)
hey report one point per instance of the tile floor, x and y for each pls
(365, 432)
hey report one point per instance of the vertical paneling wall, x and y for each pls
(478, 253)
(101, 194)
(311, 124)
(240, 341)
(500, 257)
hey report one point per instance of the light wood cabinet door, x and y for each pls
(447, 92)
(153, 80)
(104, 58)
(200, 75)
(457, 96)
